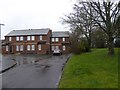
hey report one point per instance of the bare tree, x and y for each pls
(80, 22)
(107, 17)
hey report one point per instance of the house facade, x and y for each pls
(60, 40)
(37, 41)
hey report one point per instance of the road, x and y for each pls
(42, 73)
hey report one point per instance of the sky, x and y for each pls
(33, 14)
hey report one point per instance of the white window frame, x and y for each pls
(40, 37)
(28, 38)
(56, 47)
(64, 48)
(53, 39)
(21, 47)
(32, 38)
(53, 47)
(21, 38)
(57, 39)
(17, 38)
(39, 47)
(28, 47)
(6, 48)
(32, 47)
(10, 38)
(63, 39)
(17, 47)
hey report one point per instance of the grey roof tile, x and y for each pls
(60, 34)
(28, 32)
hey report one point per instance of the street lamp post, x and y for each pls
(0, 29)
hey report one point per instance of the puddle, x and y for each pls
(26, 61)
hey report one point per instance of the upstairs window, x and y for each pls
(40, 37)
(32, 37)
(53, 39)
(17, 38)
(63, 39)
(21, 38)
(28, 38)
(10, 38)
(57, 39)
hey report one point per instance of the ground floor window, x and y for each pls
(17, 47)
(64, 48)
(57, 47)
(53, 48)
(21, 47)
(28, 47)
(39, 47)
(6, 48)
(33, 47)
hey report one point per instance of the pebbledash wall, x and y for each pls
(37, 41)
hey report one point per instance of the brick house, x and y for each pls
(37, 41)
(60, 40)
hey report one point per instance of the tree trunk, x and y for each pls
(110, 46)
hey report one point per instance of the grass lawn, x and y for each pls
(91, 70)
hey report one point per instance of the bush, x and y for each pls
(79, 47)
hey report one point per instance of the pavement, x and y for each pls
(34, 72)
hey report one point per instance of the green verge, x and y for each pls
(91, 70)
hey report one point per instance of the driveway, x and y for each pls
(39, 72)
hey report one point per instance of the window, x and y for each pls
(53, 39)
(52, 48)
(21, 38)
(33, 47)
(39, 47)
(40, 37)
(17, 48)
(17, 38)
(33, 37)
(57, 39)
(6, 48)
(21, 47)
(28, 47)
(63, 39)
(10, 38)
(28, 38)
(64, 48)
(57, 47)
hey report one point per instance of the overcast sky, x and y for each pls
(33, 14)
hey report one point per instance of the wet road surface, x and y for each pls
(38, 73)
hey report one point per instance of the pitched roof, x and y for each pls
(60, 34)
(28, 32)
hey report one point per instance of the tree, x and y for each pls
(107, 17)
(99, 38)
(80, 22)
